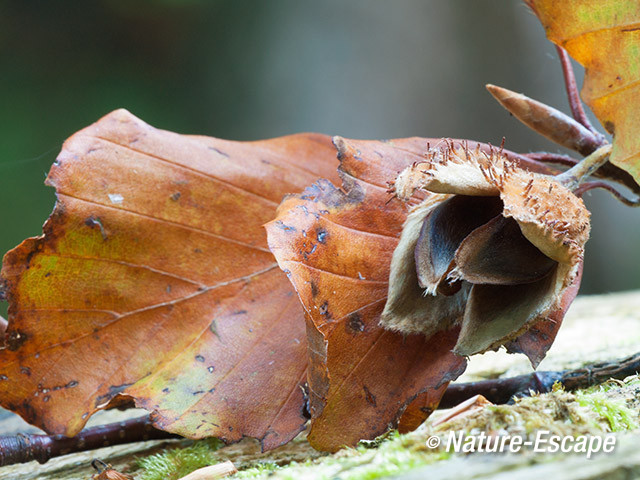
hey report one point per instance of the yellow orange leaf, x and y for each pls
(604, 36)
(153, 280)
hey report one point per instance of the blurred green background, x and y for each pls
(245, 69)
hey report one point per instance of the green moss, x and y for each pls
(256, 471)
(178, 462)
(617, 415)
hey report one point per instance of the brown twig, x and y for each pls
(26, 448)
(500, 390)
(504, 389)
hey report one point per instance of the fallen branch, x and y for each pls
(25, 448)
(502, 390)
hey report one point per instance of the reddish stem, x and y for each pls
(572, 90)
(585, 187)
(556, 158)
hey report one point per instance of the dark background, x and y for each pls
(247, 69)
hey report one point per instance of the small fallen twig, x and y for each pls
(26, 448)
(502, 390)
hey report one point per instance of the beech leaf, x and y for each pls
(153, 280)
(604, 36)
(336, 246)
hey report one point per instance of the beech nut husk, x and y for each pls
(492, 248)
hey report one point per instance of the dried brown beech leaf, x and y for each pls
(153, 280)
(514, 265)
(336, 246)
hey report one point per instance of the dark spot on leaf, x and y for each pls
(314, 289)
(609, 127)
(369, 396)
(30, 256)
(199, 358)
(426, 410)
(324, 308)
(355, 323)
(71, 384)
(239, 312)
(306, 254)
(93, 222)
(15, 339)
(211, 368)
(3, 377)
(176, 196)
(26, 371)
(46, 398)
(321, 233)
(165, 390)
(27, 411)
